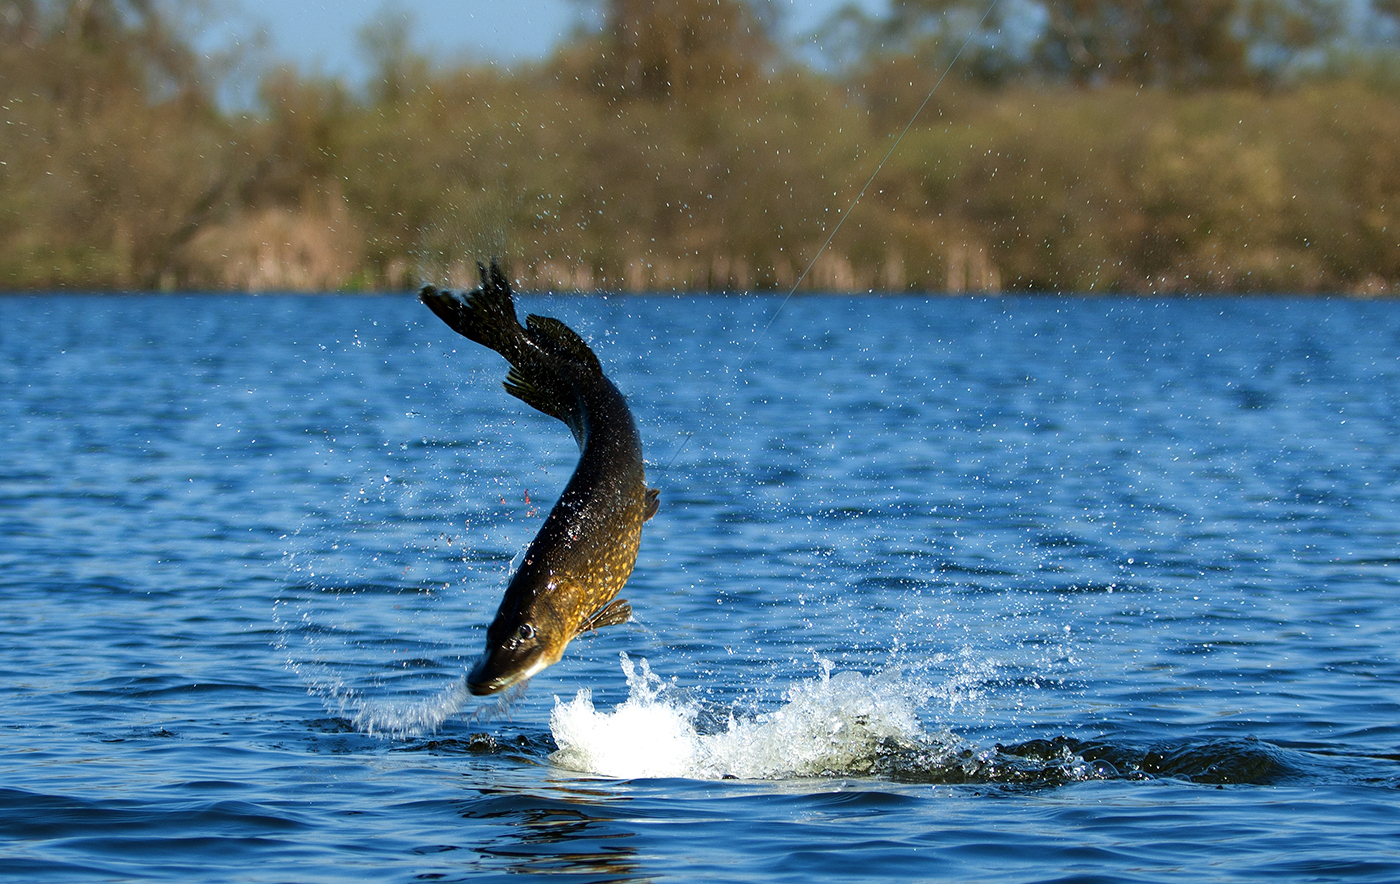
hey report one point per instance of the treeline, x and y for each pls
(1219, 145)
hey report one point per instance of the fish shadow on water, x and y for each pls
(1049, 763)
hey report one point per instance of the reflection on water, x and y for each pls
(568, 829)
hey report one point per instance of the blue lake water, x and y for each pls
(1001, 590)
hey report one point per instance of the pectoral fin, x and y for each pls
(614, 612)
(653, 503)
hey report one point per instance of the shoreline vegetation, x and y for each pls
(679, 147)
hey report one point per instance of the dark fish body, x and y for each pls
(585, 551)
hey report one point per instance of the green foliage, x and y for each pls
(1184, 44)
(113, 155)
(678, 149)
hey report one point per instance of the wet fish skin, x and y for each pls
(587, 547)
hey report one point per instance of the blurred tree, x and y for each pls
(19, 21)
(300, 137)
(1177, 43)
(1157, 42)
(931, 33)
(673, 49)
(395, 67)
(1285, 35)
(141, 34)
(114, 152)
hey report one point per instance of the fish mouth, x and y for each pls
(493, 674)
(482, 686)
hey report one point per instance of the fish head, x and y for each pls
(520, 642)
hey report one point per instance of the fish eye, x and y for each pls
(527, 631)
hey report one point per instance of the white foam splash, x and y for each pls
(832, 725)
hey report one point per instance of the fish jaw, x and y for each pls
(490, 676)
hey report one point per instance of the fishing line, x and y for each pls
(738, 369)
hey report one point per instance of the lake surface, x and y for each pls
(1004, 590)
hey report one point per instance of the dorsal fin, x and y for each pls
(555, 337)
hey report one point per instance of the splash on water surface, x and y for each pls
(828, 726)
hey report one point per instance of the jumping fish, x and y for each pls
(585, 551)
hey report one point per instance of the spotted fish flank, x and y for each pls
(584, 553)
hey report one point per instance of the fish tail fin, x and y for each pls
(486, 315)
(539, 352)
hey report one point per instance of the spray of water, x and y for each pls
(838, 724)
(397, 717)
(384, 683)
(365, 622)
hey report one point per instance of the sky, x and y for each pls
(321, 36)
